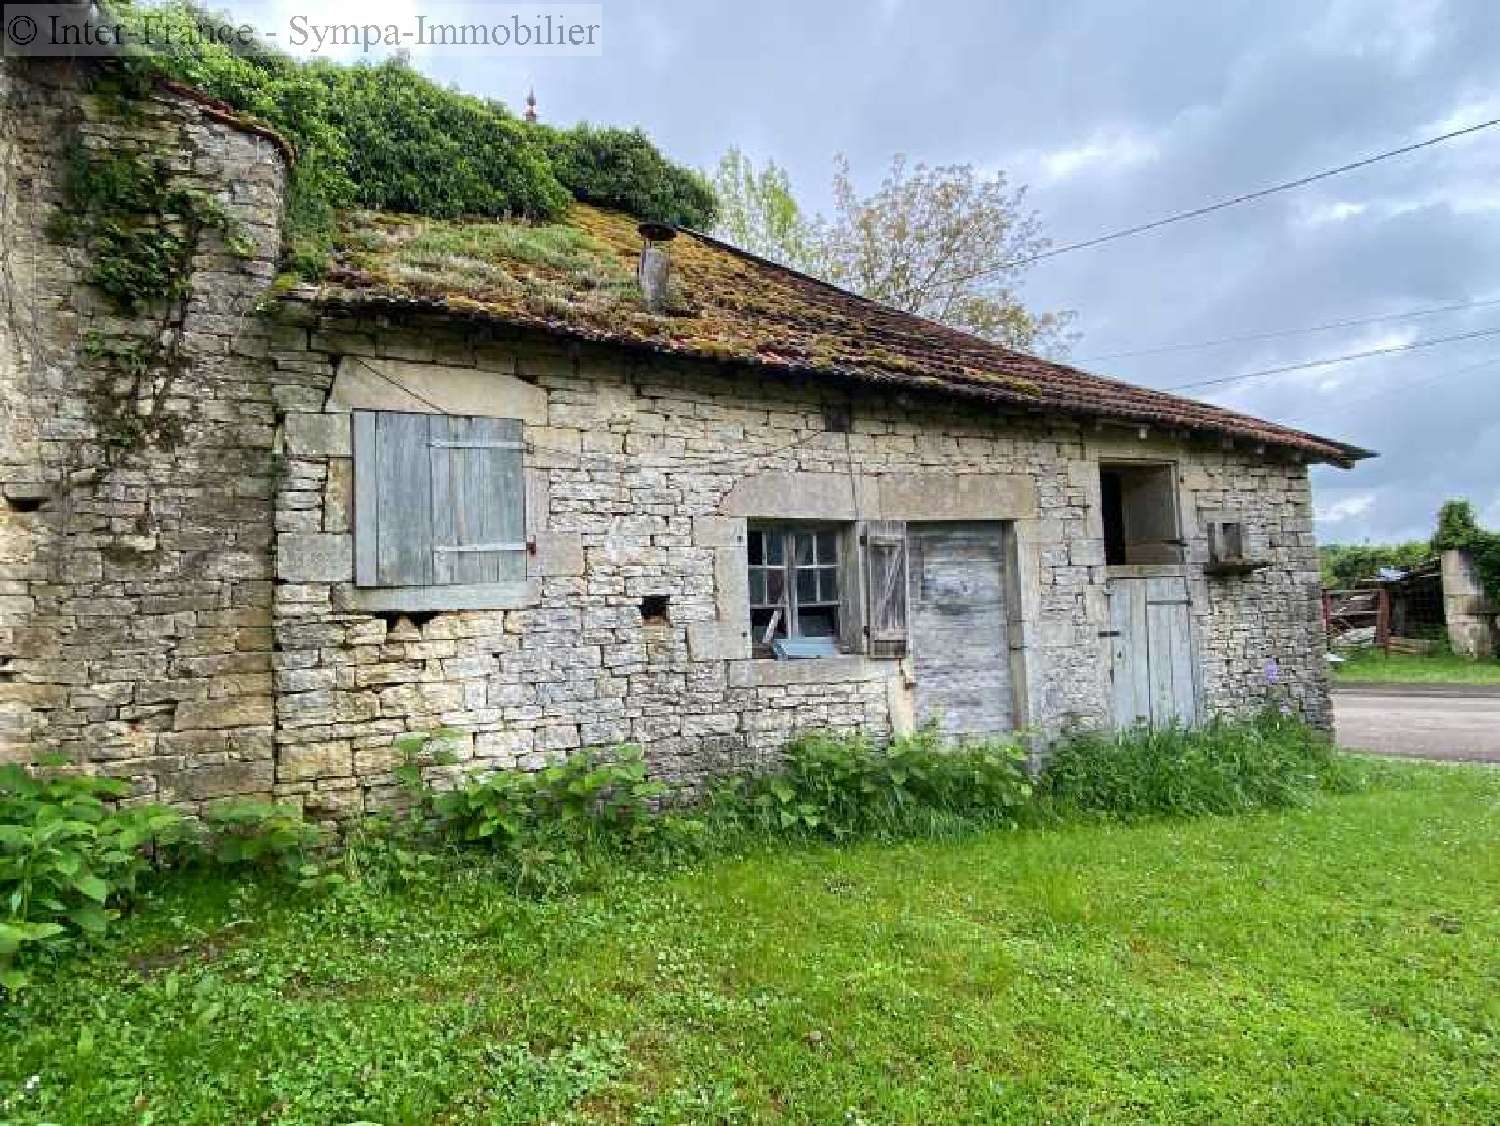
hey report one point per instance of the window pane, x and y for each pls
(755, 547)
(773, 548)
(757, 586)
(760, 621)
(818, 623)
(807, 586)
(775, 586)
(828, 547)
(828, 584)
(804, 542)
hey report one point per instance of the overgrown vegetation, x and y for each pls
(72, 857)
(141, 229)
(1458, 530)
(1345, 566)
(1327, 964)
(385, 137)
(840, 786)
(1226, 767)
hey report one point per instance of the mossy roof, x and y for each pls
(576, 279)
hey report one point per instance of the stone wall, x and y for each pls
(136, 584)
(640, 472)
(185, 616)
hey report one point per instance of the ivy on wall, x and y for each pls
(141, 230)
(1459, 530)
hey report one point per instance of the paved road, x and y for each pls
(1458, 723)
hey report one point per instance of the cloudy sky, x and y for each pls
(1117, 112)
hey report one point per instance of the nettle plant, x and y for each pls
(68, 855)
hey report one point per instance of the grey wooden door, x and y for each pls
(1153, 667)
(959, 630)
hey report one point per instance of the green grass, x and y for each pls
(1328, 964)
(1442, 668)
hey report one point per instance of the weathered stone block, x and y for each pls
(312, 558)
(319, 435)
(238, 711)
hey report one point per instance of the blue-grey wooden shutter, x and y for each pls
(437, 500)
(478, 500)
(885, 562)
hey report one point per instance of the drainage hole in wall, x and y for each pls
(417, 618)
(25, 504)
(654, 610)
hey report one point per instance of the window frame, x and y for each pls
(789, 569)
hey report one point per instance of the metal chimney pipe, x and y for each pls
(654, 269)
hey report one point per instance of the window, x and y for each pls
(794, 583)
(1140, 514)
(816, 590)
(439, 500)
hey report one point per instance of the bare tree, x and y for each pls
(945, 243)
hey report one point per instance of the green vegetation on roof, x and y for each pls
(384, 137)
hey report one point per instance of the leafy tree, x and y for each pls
(759, 213)
(945, 243)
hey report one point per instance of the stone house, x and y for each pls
(527, 491)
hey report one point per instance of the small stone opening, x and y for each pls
(405, 621)
(25, 504)
(655, 610)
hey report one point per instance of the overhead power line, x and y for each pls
(1220, 205)
(1406, 387)
(1278, 334)
(1332, 360)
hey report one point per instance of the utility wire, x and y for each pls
(1248, 197)
(1405, 387)
(1331, 360)
(1280, 333)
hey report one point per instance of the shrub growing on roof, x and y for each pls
(621, 168)
(383, 136)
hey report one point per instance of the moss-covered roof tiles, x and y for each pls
(577, 279)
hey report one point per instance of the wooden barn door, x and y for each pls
(959, 631)
(1153, 665)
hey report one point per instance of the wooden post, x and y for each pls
(1383, 620)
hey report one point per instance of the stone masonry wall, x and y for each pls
(634, 460)
(186, 617)
(135, 591)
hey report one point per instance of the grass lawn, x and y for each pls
(1373, 665)
(1336, 963)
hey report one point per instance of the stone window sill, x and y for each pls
(471, 596)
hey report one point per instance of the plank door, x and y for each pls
(1153, 668)
(960, 644)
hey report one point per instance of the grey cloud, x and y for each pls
(1229, 96)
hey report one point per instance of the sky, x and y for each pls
(1116, 112)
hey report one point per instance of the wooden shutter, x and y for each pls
(478, 500)
(437, 500)
(885, 569)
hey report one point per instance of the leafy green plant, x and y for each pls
(244, 833)
(584, 797)
(68, 857)
(1225, 767)
(841, 785)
